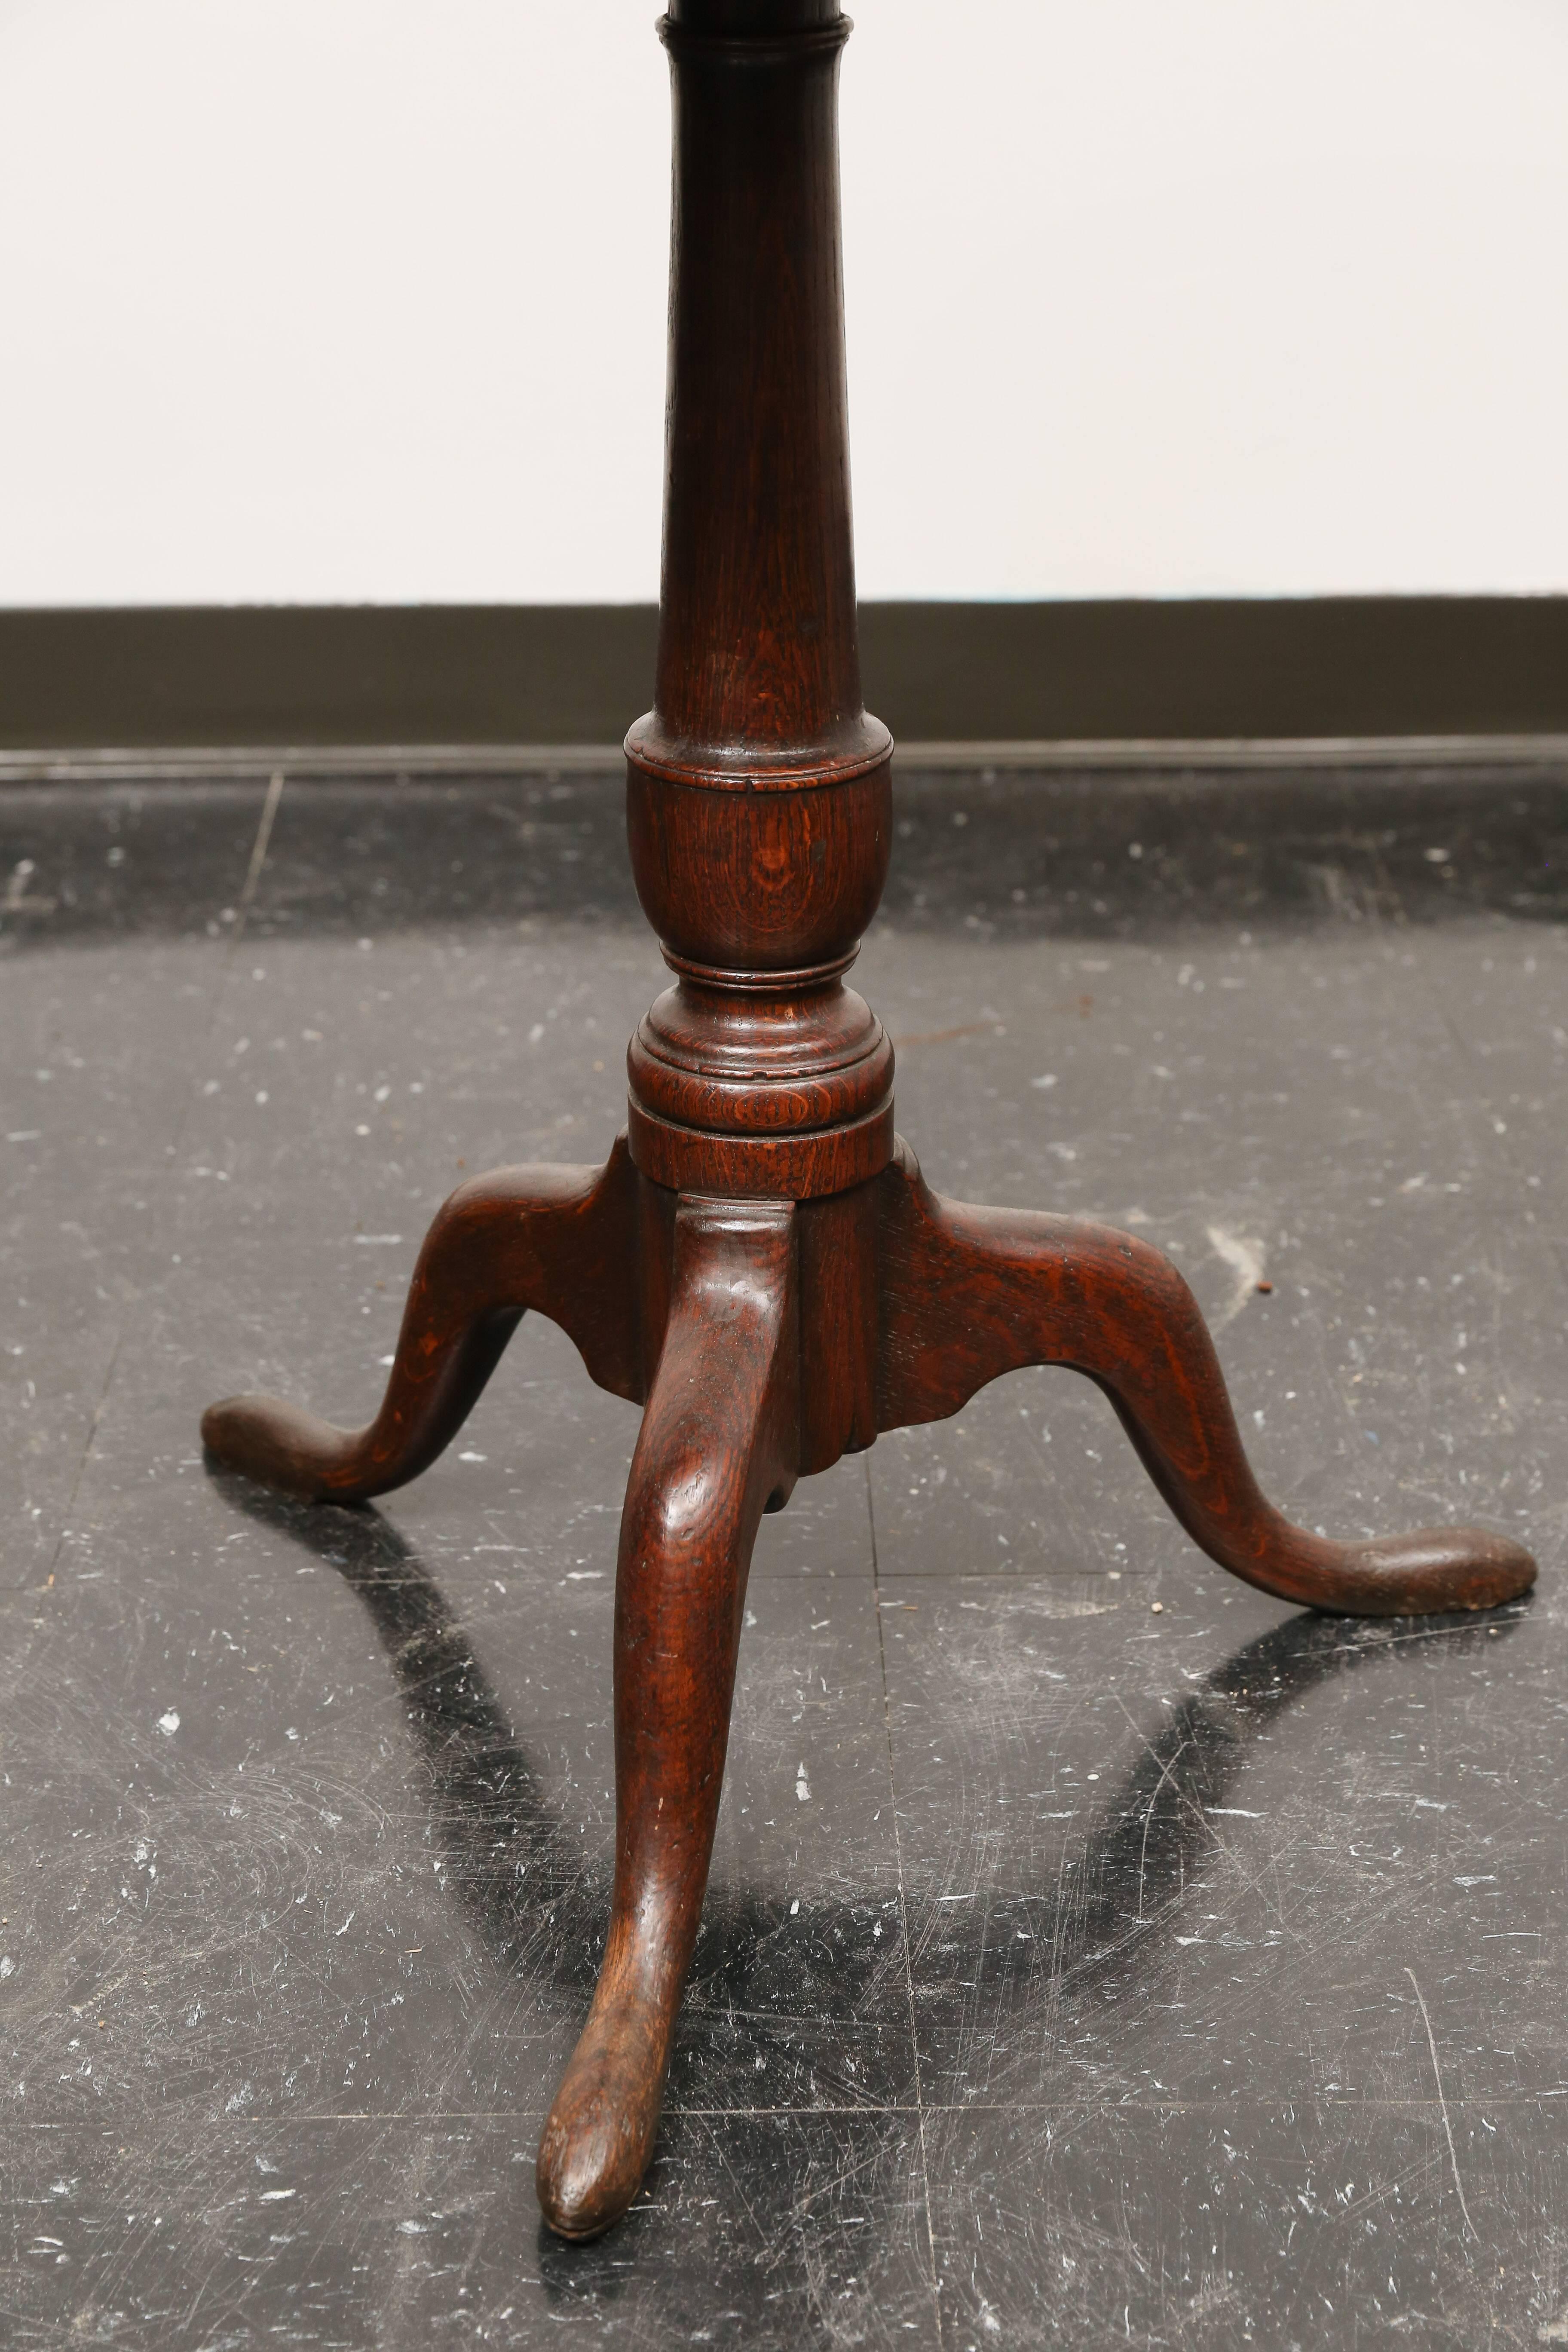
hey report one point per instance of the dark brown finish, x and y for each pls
(719, 1439)
(559, 1240)
(758, 789)
(827, 1295)
(973, 1293)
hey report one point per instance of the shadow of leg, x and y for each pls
(483, 1792)
(485, 1796)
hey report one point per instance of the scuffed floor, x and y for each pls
(1098, 1953)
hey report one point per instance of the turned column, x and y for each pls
(760, 1272)
(758, 788)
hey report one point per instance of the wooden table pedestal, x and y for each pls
(759, 1266)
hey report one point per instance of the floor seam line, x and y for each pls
(903, 1907)
(258, 859)
(247, 892)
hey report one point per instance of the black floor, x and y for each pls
(1097, 1952)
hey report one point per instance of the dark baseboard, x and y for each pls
(938, 673)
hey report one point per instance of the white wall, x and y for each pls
(363, 299)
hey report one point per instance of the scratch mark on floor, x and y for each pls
(1166, 1773)
(1443, 2107)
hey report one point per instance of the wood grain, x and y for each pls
(560, 1241)
(758, 788)
(968, 1293)
(755, 1260)
(719, 1440)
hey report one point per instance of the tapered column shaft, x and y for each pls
(757, 643)
(758, 789)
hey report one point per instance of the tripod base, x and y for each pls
(765, 1338)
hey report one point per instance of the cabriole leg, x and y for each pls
(719, 1442)
(562, 1240)
(969, 1294)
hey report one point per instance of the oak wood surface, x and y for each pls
(559, 1240)
(719, 1438)
(968, 1293)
